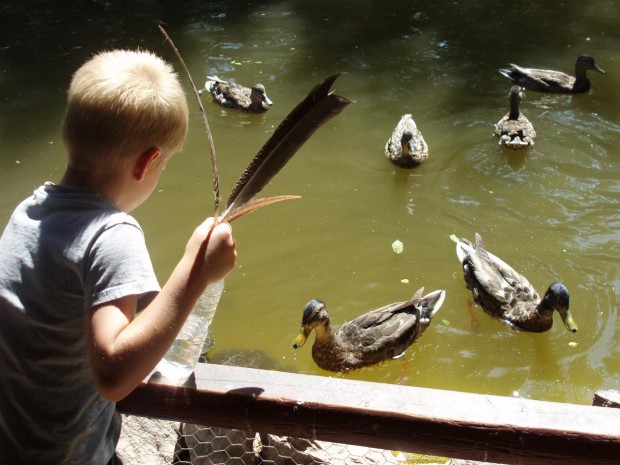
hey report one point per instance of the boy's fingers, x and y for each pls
(206, 225)
(224, 225)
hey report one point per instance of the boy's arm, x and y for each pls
(124, 349)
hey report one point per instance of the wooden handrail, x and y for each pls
(403, 418)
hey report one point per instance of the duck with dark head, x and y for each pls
(545, 80)
(237, 97)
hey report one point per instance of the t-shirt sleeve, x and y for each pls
(119, 265)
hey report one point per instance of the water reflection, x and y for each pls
(550, 211)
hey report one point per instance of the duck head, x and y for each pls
(258, 95)
(315, 314)
(557, 298)
(585, 62)
(406, 144)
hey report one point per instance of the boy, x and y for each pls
(74, 268)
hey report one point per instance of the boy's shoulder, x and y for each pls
(71, 211)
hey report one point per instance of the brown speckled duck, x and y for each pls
(372, 338)
(406, 147)
(237, 97)
(514, 130)
(507, 295)
(544, 80)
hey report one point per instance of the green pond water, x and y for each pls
(551, 211)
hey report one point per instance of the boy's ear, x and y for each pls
(144, 162)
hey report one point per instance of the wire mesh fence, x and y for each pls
(160, 442)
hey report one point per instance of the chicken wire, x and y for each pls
(149, 441)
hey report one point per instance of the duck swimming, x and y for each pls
(406, 147)
(235, 96)
(544, 80)
(507, 295)
(514, 130)
(371, 338)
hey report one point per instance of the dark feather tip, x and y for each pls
(319, 106)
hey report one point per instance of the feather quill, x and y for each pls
(309, 115)
(214, 169)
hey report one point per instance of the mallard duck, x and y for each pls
(406, 147)
(374, 337)
(235, 96)
(506, 295)
(544, 80)
(514, 130)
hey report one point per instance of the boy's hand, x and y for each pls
(124, 347)
(213, 250)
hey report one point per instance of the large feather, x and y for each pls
(309, 115)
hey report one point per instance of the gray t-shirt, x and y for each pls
(63, 251)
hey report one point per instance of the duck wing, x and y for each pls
(539, 79)
(387, 331)
(494, 284)
(232, 95)
(406, 146)
(405, 124)
(515, 134)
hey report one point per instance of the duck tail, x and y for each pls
(216, 79)
(464, 248)
(431, 303)
(210, 84)
(418, 294)
(507, 72)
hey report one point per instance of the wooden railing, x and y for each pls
(427, 421)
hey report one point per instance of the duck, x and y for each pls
(507, 295)
(238, 97)
(406, 147)
(376, 336)
(514, 130)
(544, 80)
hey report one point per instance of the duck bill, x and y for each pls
(569, 322)
(300, 340)
(266, 100)
(598, 69)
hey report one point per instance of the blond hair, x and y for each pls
(120, 103)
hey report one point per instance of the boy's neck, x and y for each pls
(107, 185)
(126, 187)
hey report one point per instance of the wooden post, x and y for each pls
(403, 418)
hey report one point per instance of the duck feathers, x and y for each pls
(406, 147)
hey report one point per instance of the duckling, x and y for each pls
(235, 96)
(406, 147)
(514, 130)
(507, 295)
(371, 338)
(544, 80)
